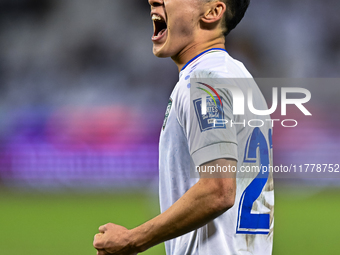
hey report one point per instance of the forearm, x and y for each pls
(199, 205)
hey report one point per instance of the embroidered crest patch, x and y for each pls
(210, 120)
(167, 113)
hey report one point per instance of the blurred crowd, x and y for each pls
(57, 52)
(85, 54)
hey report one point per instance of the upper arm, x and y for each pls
(221, 182)
(210, 146)
(222, 168)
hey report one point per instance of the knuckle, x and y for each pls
(96, 243)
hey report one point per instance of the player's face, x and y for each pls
(176, 23)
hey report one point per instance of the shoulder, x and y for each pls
(209, 68)
(220, 65)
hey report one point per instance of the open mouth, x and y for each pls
(160, 27)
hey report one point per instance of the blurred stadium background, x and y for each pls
(82, 100)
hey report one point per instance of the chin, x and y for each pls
(160, 53)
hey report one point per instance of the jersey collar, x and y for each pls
(200, 55)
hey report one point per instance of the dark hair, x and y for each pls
(234, 13)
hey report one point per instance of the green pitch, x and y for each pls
(40, 224)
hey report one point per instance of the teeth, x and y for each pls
(156, 17)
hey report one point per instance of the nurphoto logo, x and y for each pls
(210, 104)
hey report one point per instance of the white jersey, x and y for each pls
(187, 140)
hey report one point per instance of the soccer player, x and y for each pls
(227, 214)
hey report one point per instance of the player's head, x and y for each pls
(179, 24)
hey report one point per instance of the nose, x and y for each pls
(155, 3)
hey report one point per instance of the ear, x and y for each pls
(215, 12)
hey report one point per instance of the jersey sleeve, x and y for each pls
(210, 136)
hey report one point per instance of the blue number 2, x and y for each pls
(247, 222)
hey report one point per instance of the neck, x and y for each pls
(192, 50)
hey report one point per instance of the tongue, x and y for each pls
(161, 32)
